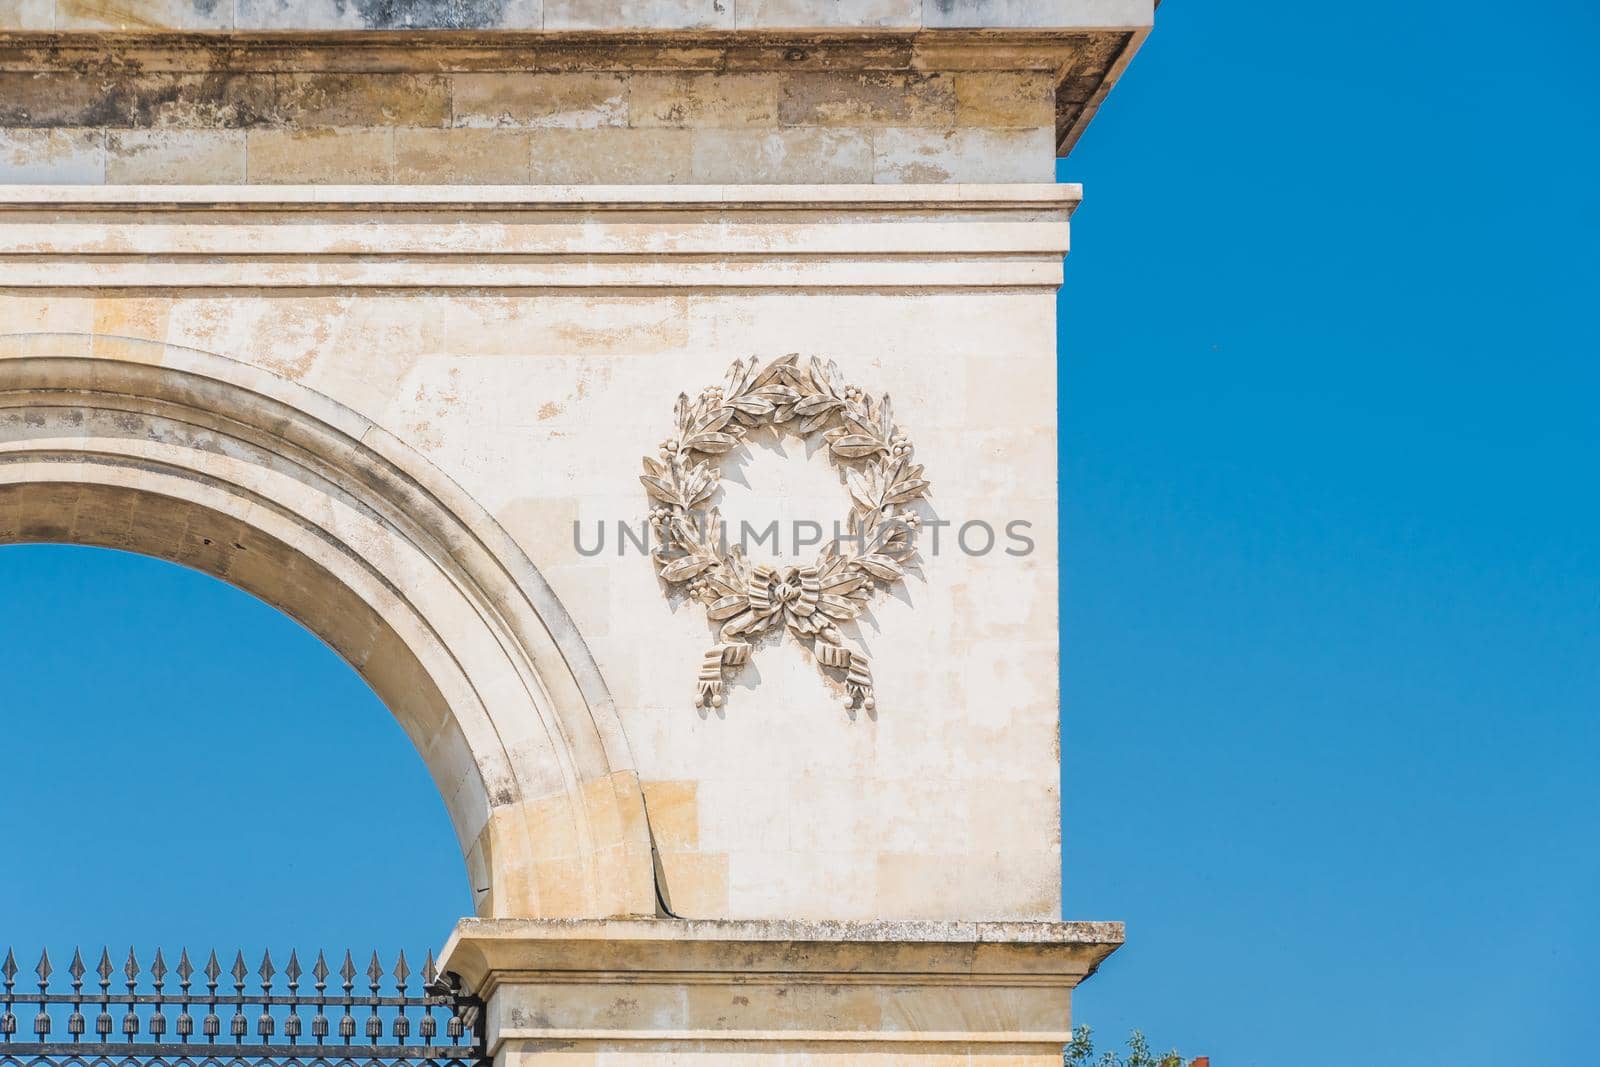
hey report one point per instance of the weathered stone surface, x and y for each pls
(389, 14)
(167, 157)
(378, 329)
(793, 155)
(363, 100)
(574, 101)
(64, 155)
(828, 14)
(703, 100)
(806, 994)
(620, 157)
(869, 99)
(481, 335)
(968, 154)
(462, 157)
(855, 83)
(638, 14)
(320, 157)
(1002, 99)
(143, 15)
(748, 15)
(27, 14)
(981, 14)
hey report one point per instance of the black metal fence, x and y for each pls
(207, 1018)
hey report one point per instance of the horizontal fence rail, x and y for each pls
(207, 1018)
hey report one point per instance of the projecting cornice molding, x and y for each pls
(535, 237)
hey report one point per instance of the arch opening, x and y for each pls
(225, 468)
(192, 765)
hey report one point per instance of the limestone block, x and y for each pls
(143, 15)
(320, 156)
(787, 155)
(703, 100)
(389, 14)
(638, 14)
(200, 157)
(829, 98)
(968, 154)
(363, 99)
(825, 14)
(462, 157)
(1060, 14)
(1005, 98)
(27, 14)
(612, 156)
(297, 14)
(576, 100)
(674, 814)
(66, 156)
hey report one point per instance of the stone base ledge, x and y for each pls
(641, 989)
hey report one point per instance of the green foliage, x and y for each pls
(1081, 1053)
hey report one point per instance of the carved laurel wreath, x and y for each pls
(810, 601)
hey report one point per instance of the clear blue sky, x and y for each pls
(1330, 444)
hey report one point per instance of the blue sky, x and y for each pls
(1331, 585)
(1331, 588)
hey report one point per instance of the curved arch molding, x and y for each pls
(210, 463)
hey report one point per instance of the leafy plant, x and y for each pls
(1081, 1053)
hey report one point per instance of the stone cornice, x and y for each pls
(486, 953)
(522, 237)
(668, 983)
(1086, 56)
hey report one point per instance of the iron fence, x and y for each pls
(211, 1017)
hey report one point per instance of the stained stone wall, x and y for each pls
(132, 109)
(499, 250)
(536, 369)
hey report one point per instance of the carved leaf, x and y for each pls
(835, 379)
(880, 566)
(859, 423)
(778, 394)
(812, 423)
(683, 569)
(737, 375)
(680, 414)
(860, 491)
(713, 443)
(719, 417)
(819, 378)
(812, 404)
(842, 586)
(661, 489)
(727, 607)
(854, 446)
(838, 607)
(905, 492)
(753, 405)
(702, 493)
(773, 370)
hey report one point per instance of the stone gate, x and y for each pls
(376, 309)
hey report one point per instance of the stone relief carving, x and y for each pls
(748, 599)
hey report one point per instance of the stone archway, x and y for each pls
(223, 467)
